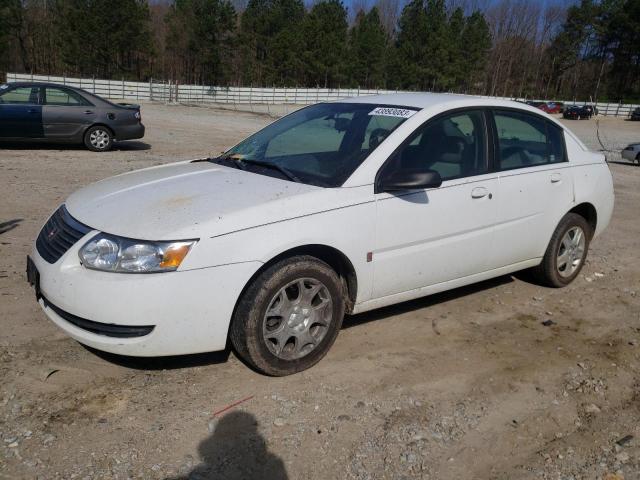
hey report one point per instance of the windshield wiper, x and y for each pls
(273, 166)
(234, 163)
(241, 163)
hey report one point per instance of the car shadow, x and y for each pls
(125, 146)
(9, 225)
(131, 145)
(236, 451)
(358, 319)
(628, 163)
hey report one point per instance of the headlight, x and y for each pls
(116, 254)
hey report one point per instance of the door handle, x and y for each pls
(32, 110)
(479, 192)
(556, 177)
(88, 112)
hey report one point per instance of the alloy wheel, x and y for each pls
(297, 318)
(570, 252)
(99, 139)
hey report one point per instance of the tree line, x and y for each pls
(513, 48)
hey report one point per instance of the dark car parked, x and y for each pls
(48, 112)
(576, 112)
(635, 115)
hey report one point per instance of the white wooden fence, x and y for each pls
(172, 92)
(237, 96)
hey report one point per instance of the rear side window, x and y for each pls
(20, 95)
(64, 97)
(527, 140)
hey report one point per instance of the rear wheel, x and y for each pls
(289, 316)
(566, 253)
(98, 139)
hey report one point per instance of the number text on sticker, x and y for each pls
(392, 112)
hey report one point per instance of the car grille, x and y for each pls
(59, 234)
(106, 329)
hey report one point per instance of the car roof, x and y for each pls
(429, 100)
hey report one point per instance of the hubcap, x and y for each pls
(297, 318)
(99, 139)
(570, 252)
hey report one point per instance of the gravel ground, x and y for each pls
(469, 384)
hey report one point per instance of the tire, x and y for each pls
(98, 139)
(282, 343)
(552, 271)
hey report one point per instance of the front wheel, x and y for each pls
(98, 139)
(566, 253)
(289, 316)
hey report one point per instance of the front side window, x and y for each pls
(527, 140)
(454, 146)
(20, 95)
(63, 97)
(320, 145)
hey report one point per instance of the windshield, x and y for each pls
(320, 145)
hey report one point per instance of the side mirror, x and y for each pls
(410, 180)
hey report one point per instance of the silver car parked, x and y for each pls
(632, 152)
(47, 112)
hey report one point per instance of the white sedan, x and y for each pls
(335, 209)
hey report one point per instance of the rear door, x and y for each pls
(536, 184)
(20, 112)
(66, 114)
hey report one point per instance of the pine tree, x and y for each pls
(200, 40)
(475, 43)
(457, 56)
(623, 40)
(406, 68)
(437, 46)
(325, 42)
(102, 38)
(367, 50)
(270, 35)
(8, 10)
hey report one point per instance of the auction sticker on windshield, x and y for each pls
(392, 112)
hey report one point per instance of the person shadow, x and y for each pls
(236, 451)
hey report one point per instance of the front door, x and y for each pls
(427, 237)
(20, 112)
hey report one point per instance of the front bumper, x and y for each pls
(129, 132)
(189, 311)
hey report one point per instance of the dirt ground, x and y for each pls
(469, 384)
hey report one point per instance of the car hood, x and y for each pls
(194, 200)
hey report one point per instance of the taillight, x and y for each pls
(138, 115)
